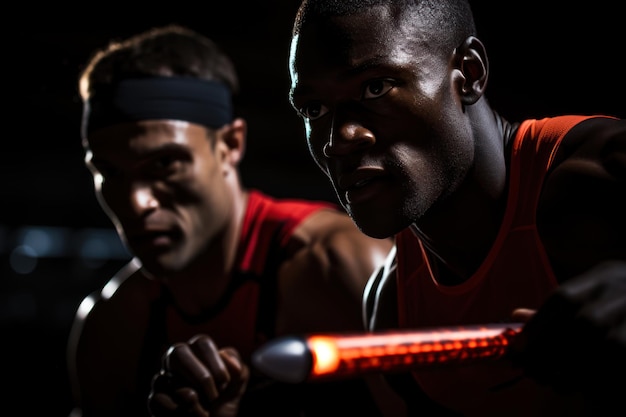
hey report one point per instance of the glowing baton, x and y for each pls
(333, 355)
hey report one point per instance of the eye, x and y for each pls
(377, 88)
(166, 165)
(313, 110)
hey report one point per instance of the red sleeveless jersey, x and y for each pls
(245, 317)
(515, 273)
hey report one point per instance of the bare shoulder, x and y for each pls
(322, 283)
(334, 229)
(333, 240)
(596, 138)
(581, 211)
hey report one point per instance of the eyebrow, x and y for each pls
(150, 153)
(353, 71)
(364, 66)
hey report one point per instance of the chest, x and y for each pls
(238, 323)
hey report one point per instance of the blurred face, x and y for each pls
(162, 184)
(382, 118)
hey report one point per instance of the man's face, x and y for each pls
(382, 118)
(161, 182)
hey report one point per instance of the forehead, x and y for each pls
(137, 138)
(340, 46)
(339, 38)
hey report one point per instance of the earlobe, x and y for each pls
(473, 64)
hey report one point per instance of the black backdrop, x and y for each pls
(543, 63)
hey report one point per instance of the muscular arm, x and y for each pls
(321, 287)
(321, 290)
(576, 341)
(581, 213)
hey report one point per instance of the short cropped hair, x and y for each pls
(170, 50)
(451, 20)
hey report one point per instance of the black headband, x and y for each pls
(204, 102)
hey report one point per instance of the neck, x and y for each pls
(459, 231)
(203, 284)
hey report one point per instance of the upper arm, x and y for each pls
(322, 284)
(322, 289)
(581, 213)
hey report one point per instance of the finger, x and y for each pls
(168, 398)
(607, 311)
(522, 314)
(182, 362)
(574, 324)
(189, 403)
(160, 382)
(183, 402)
(206, 351)
(238, 370)
(232, 359)
(518, 343)
(160, 404)
(606, 276)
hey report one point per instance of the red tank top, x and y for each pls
(245, 317)
(267, 226)
(515, 273)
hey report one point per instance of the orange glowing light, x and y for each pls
(349, 354)
(325, 354)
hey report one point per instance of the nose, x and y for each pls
(347, 137)
(142, 199)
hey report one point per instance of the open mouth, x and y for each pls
(155, 239)
(365, 189)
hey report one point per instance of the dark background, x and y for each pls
(543, 63)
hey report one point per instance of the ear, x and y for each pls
(234, 138)
(472, 67)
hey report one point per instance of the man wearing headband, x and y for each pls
(218, 269)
